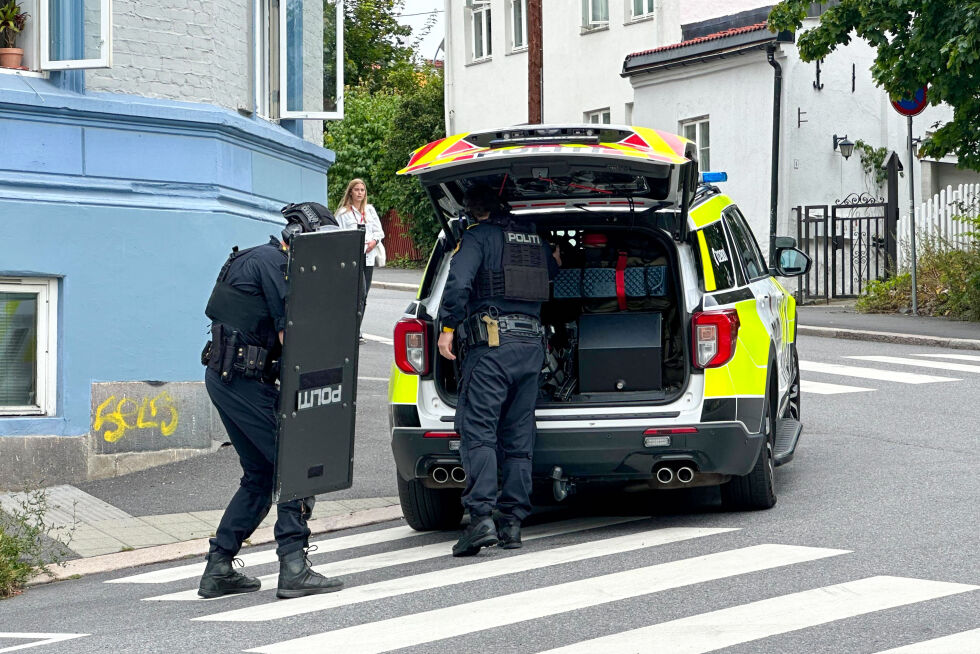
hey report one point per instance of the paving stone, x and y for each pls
(210, 517)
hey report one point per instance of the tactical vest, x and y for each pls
(523, 273)
(238, 309)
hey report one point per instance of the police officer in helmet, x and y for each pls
(491, 307)
(248, 311)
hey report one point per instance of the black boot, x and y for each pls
(481, 532)
(297, 579)
(220, 578)
(509, 533)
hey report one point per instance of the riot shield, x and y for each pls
(318, 378)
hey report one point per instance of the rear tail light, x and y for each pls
(714, 336)
(440, 434)
(412, 346)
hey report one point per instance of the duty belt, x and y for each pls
(483, 329)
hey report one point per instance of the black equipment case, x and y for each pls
(619, 352)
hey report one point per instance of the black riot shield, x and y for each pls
(318, 379)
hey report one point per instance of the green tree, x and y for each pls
(918, 42)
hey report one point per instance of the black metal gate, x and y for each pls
(849, 245)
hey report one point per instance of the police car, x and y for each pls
(671, 345)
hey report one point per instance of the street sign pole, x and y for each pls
(915, 299)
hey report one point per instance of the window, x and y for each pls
(28, 346)
(595, 14)
(641, 8)
(602, 116)
(748, 249)
(518, 24)
(715, 259)
(697, 131)
(66, 34)
(311, 69)
(480, 30)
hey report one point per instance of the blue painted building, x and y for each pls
(122, 190)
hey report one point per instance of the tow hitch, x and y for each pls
(560, 485)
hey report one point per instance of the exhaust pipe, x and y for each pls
(685, 475)
(440, 475)
(458, 474)
(664, 475)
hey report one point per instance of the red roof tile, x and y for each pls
(702, 39)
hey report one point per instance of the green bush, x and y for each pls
(26, 547)
(948, 281)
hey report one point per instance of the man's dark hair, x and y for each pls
(481, 199)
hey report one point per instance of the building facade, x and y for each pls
(140, 142)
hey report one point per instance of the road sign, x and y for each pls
(911, 106)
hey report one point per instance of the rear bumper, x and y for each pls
(610, 454)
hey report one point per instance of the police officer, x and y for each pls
(248, 311)
(498, 278)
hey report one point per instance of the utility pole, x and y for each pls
(535, 63)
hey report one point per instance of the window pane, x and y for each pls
(637, 7)
(518, 23)
(690, 132)
(18, 349)
(649, 6)
(477, 35)
(311, 42)
(489, 33)
(606, 118)
(705, 139)
(704, 160)
(75, 28)
(600, 11)
(721, 261)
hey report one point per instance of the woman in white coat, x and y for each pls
(354, 210)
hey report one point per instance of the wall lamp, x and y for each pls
(846, 147)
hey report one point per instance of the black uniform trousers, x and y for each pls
(495, 421)
(248, 410)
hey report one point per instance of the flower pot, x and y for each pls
(11, 57)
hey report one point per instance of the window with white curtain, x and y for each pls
(480, 30)
(595, 14)
(641, 9)
(600, 116)
(518, 24)
(28, 346)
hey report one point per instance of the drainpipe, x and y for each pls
(777, 91)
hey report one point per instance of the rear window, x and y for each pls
(718, 258)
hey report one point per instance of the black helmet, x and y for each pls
(305, 217)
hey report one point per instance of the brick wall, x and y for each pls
(190, 50)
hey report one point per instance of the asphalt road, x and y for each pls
(876, 527)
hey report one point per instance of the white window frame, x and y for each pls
(285, 113)
(480, 8)
(650, 6)
(515, 47)
(105, 46)
(703, 151)
(599, 114)
(46, 290)
(587, 22)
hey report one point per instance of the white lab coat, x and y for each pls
(350, 218)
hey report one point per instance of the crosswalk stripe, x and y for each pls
(419, 628)
(965, 642)
(463, 574)
(942, 365)
(36, 639)
(409, 555)
(269, 556)
(821, 388)
(741, 624)
(871, 373)
(961, 357)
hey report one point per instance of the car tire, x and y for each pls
(426, 509)
(756, 490)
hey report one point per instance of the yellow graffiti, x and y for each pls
(119, 417)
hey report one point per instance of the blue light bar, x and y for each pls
(711, 178)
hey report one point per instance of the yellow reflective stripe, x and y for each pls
(745, 374)
(709, 271)
(708, 212)
(402, 387)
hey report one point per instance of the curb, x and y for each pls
(890, 337)
(396, 286)
(200, 546)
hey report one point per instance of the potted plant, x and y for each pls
(12, 21)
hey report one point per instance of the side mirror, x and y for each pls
(792, 262)
(785, 242)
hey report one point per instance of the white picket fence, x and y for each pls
(934, 217)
